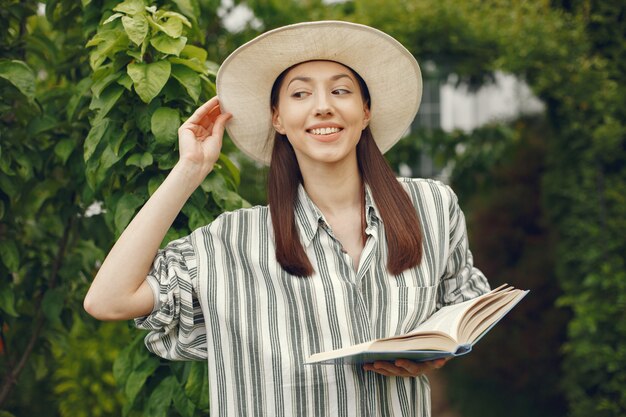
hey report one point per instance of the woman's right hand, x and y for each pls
(200, 137)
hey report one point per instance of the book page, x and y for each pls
(484, 326)
(474, 317)
(445, 320)
(448, 318)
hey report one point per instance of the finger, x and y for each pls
(415, 368)
(385, 371)
(438, 363)
(382, 372)
(203, 110)
(220, 122)
(209, 118)
(390, 368)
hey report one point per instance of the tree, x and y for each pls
(68, 147)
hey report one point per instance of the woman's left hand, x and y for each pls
(404, 367)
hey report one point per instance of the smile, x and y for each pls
(324, 130)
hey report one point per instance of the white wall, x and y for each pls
(506, 99)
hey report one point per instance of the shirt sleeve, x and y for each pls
(461, 281)
(176, 324)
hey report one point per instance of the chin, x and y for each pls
(329, 157)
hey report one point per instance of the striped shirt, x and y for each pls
(221, 296)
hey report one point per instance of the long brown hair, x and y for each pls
(402, 227)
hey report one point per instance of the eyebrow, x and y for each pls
(309, 79)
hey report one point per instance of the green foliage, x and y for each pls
(83, 378)
(81, 128)
(512, 242)
(159, 387)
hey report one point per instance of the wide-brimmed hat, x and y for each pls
(245, 79)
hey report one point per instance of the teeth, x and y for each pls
(324, 130)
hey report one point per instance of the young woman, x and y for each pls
(344, 253)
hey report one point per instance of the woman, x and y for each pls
(343, 254)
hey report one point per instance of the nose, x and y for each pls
(323, 107)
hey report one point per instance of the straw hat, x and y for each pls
(245, 79)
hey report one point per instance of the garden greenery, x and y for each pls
(91, 96)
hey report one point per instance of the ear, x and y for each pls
(276, 122)
(366, 115)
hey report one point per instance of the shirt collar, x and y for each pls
(309, 217)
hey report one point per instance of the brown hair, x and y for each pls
(402, 227)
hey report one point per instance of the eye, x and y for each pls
(341, 91)
(299, 94)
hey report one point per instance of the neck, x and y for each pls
(333, 188)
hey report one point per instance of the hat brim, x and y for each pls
(245, 79)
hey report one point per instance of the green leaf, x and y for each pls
(158, 404)
(6, 414)
(93, 138)
(2, 210)
(195, 384)
(167, 161)
(101, 83)
(106, 101)
(79, 93)
(211, 67)
(231, 169)
(123, 365)
(169, 15)
(5, 162)
(9, 187)
(182, 403)
(37, 195)
(191, 63)
(41, 124)
(111, 18)
(7, 301)
(144, 115)
(192, 51)
(125, 210)
(138, 377)
(125, 81)
(168, 45)
(117, 140)
(224, 197)
(140, 160)
(164, 124)
(20, 75)
(189, 80)
(149, 79)
(188, 8)
(40, 368)
(136, 27)
(97, 168)
(107, 43)
(9, 255)
(64, 148)
(154, 183)
(208, 86)
(172, 27)
(130, 7)
(52, 304)
(25, 167)
(106, 161)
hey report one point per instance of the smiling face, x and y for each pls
(322, 112)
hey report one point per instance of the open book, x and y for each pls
(451, 331)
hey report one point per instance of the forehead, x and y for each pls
(311, 69)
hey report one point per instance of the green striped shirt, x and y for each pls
(221, 296)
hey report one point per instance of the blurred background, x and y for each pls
(523, 115)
